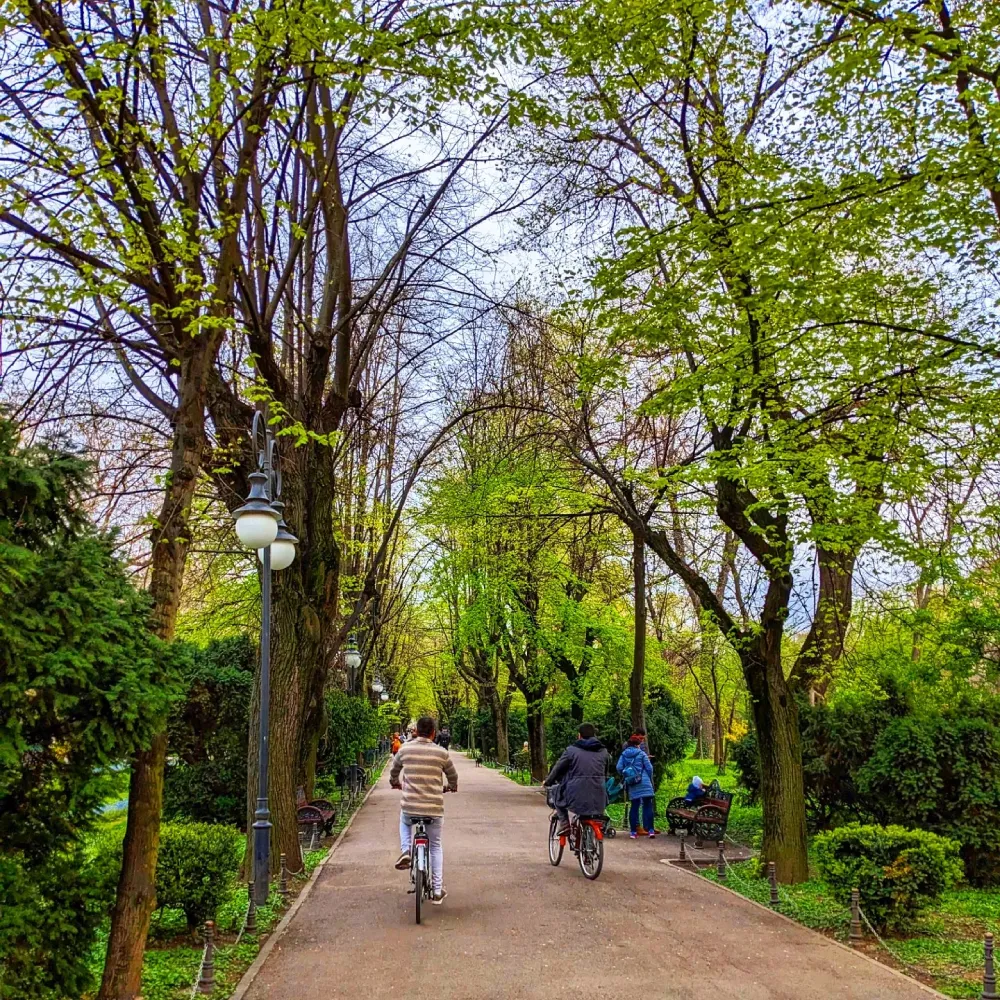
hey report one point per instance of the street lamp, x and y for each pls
(260, 526)
(352, 660)
(384, 696)
(377, 686)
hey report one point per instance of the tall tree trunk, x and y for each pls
(824, 645)
(536, 733)
(776, 720)
(303, 616)
(636, 686)
(500, 709)
(136, 896)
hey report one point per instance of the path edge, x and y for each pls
(669, 862)
(251, 974)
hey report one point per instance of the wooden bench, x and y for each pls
(706, 818)
(314, 815)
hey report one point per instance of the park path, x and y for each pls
(513, 927)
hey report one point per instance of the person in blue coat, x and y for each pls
(636, 770)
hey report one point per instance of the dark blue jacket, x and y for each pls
(580, 774)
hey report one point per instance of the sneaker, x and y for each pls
(633, 835)
(652, 834)
(403, 861)
(439, 897)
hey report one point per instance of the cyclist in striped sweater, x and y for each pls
(423, 765)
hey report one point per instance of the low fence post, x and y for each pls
(989, 973)
(206, 981)
(251, 925)
(283, 882)
(315, 837)
(772, 878)
(720, 864)
(856, 934)
(683, 855)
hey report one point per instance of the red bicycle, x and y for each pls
(585, 840)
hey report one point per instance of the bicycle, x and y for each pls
(585, 839)
(420, 862)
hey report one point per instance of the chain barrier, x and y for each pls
(198, 975)
(753, 889)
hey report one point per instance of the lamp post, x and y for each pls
(352, 660)
(384, 696)
(260, 526)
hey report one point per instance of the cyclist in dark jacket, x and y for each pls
(580, 774)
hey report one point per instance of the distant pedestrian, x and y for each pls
(636, 770)
(396, 744)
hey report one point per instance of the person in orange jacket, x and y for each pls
(396, 744)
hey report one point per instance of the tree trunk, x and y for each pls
(136, 896)
(536, 734)
(637, 680)
(824, 645)
(303, 616)
(776, 720)
(500, 711)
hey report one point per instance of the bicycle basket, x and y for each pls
(550, 797)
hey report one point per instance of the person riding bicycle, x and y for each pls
(579, 774)
(422, 763)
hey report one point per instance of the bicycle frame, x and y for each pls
(574, 833)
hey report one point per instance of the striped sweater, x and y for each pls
(423, 763)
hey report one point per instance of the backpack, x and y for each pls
(631, 775)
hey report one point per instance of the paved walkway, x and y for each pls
(514, 927)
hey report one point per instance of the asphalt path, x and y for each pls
(514, 927)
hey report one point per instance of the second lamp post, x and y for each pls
(260, 526)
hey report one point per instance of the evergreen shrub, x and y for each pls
(898, 872)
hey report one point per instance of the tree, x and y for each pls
(83, 685)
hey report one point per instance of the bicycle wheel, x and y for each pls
(591, 854)
(555, 842)
(418, 895)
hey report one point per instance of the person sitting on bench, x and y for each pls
(696, 790)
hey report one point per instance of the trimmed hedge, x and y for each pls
(195, 868)
(897, 871)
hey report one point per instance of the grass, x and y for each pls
(943, 949)
(173, 956)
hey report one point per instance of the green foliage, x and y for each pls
(745, 757)
(667, 730)
(206, 775)
(48, 917)
(353, 726)
(83, 684)
(941, 772)
(195, 867)
(898, 872)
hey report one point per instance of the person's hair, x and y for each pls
(587, 731)
(425, 726)
(635, 740)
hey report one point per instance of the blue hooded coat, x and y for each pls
(636, 757)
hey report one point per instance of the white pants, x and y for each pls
(433, 842)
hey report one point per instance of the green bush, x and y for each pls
(941, 771)
(898, 872)
(746, 759)
(195, 868)
(353, 726)
(206, 776)
(196, 865)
